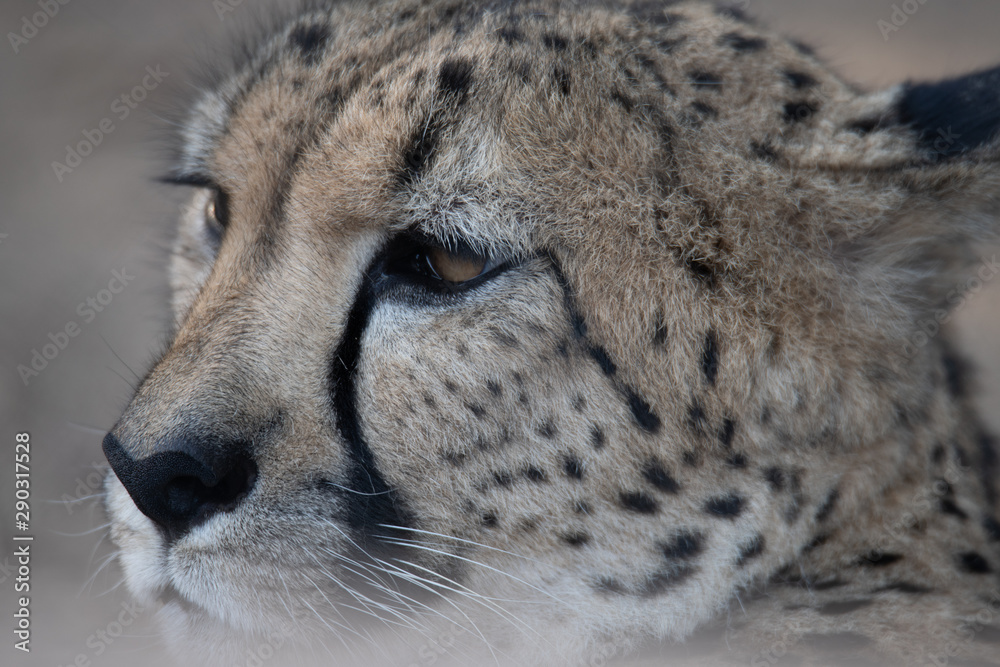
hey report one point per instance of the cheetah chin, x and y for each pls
(565, 333)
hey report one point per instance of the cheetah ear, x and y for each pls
(954, 117)
(932, 164)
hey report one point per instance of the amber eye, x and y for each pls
(454, 268)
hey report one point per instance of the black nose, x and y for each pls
(184, 483)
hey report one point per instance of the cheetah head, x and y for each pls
(550, 329)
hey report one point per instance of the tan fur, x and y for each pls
(662, 214)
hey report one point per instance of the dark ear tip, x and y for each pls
(953, 116)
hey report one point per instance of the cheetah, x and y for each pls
(562, 334)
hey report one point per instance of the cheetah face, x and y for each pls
(521, 326)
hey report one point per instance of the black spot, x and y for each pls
(879, 559)
(816, 543)
(561, 75)
(953, 116)
(948, 506)
(803, 48)
(742, 43)
(577, 539)
(827, 585)
(799, 80)
(798, 112)
(547, 429)
(637, 501)
(622, 100)
(710, 357)
(691, 458)
(697, 419)
(835, 642)
(903, 587)
(573, 467)
(685, 545)
(737, 460)
(973, 563)
(502, 337)
(664, 580)
(476, 409)
(660, 335)
(937, 454)
(609, 585)
(600, 355)
(510, 34)
(490, 520)
(554, 41)
(776, 478)
(534, 474)
(642, 412)
(826, 509)
(705, 80)
(763, 150)
(597, 437)
(503, 478)
(992, 528)
(750, 550)
(455, 78)
(421, 147)
(954, 372)
(728, 506)
(727, 432)
(706, 110)
(493, 387)
(456, 459)
(310, 41)
(702, 271)
(843, 607)
(582, 507)
(656, 475)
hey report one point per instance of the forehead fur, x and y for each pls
(726, 157)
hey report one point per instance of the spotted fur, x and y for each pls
(685, 413)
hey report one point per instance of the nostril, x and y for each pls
(194, 499)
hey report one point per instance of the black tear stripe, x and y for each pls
(370, 501)
(643, 413)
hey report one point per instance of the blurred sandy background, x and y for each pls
(62, 241)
